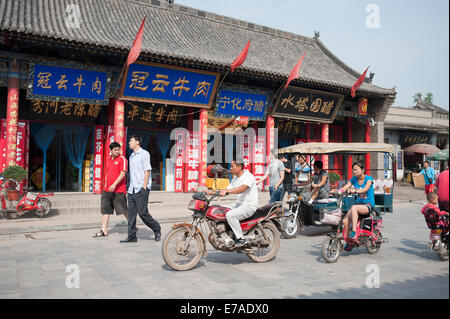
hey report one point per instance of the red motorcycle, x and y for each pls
(30, 202)
(185, 244)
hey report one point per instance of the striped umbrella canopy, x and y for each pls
(426, 149)
(439, 156)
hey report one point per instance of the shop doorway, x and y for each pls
(61, 157)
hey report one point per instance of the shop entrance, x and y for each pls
(63, 154)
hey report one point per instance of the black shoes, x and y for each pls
(240, 242)
(158, 236)
(129, 240)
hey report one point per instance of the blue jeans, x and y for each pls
(275, 195)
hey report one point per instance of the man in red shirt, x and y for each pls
(115, 188)
(442, 186)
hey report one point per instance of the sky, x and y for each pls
(405, 42)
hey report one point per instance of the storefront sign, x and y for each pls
(179, 161)
(98, 159)
(235, 104)
(290, 128)
(64, 111)
(143, 115)
(68, 84)
(151, 82)
(305, 104)
(193, 162)
(409, 139)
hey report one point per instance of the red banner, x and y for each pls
(98, 159)
(362, 106)
(203, 146)
(246, 152)
(179, 161)
(193, 162)
(259, 166)
(2, 145)
(12, 120)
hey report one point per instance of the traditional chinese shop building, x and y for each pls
(61, 101)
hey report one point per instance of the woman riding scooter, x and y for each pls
(364, 203)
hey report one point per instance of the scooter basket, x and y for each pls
(330, 217)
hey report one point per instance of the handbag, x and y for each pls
(330, 217)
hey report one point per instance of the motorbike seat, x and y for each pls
(260, 212)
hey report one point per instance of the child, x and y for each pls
(432, 204)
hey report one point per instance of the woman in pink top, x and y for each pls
(442, 190)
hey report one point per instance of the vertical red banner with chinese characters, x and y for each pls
(12, 119)
(193, 161)
(259, 158)
(119, 128)
(203, 147)
(2, 145)
(98, 159)
(21, 148)
(179, 161)
(246, 156)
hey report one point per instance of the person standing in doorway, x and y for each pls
(139, 190)
(114, 191)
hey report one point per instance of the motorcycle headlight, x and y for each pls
(293, 198)
(191, 205)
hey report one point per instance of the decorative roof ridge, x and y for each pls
(165, 5)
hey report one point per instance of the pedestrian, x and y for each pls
(114, 190)
(275, 172)
(288, 177)
(442, 190)
(302, 170)
(429, 176)
(139, 190)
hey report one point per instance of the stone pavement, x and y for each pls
(164, 207)
(34, 265)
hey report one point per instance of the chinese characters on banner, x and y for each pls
(203, 146)
(80, 85)
(246, 156)
(362, 106)
(179, 161)
(64, 111)
(98, 159)
(305, 104)
(232, 103)
(151, 82)
(259, 160)
(2, 145)
(193, 161)
(159, 116)
(12, 120)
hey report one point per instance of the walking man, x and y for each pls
(139, 190)
(114, 191)
(275, 172)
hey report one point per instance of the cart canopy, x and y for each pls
(341, 148)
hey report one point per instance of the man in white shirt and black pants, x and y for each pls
(244, 184)
(139, 190)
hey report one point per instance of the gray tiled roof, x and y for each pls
(184, 33)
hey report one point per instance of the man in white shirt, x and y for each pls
(243, 184)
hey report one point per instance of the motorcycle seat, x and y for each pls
(325, 201)
(260, 212)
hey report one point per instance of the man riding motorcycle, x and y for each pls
(243, 184)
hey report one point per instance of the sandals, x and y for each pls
(100, 233)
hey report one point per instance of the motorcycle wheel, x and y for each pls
(443, 251)
(373, 248)
(46, 206)
(290, 227)
(172, 250)
(331, 249)
(263, 254)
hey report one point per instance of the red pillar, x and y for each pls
(367, 140)
(270, 124)
(119, 127)
(253, 148)
(12, 114)
(349, 140)
(325, 139)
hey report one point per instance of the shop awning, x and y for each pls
(342, 148)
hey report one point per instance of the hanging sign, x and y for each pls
(259, 159)
(193, 162)
(64, 111)
(152, 82)
(241, 104)
(2, 145)
(179, 161)
(305, 104)
(55, 83)
(98, 159)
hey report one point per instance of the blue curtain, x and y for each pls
(75, 140)
(43, 134)
(163, 142)
(284, 142)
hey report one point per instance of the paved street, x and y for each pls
(34, 266)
